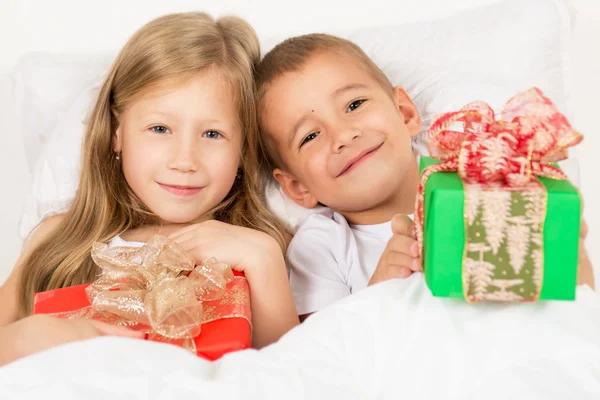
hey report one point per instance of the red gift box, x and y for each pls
(217, 337)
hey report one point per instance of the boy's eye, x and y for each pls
(212, 134)
(160, 129)
(354, 105)
(308, 138)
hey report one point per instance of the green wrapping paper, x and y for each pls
(457, 262)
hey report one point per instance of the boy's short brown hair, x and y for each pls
(289, 56)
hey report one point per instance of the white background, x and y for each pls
(70, 26)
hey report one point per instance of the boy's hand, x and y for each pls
(585, 270)
(401, 255)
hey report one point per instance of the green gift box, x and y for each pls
(456, 265)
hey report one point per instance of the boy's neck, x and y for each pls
(402, 202)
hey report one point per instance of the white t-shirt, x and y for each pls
(118, 241)
(330, 259)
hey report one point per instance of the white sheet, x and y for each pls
(393, 340)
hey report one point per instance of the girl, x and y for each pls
(168, 149)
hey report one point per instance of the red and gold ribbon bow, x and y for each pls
(158, 290)
(492, 154)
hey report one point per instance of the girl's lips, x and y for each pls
(180, 190)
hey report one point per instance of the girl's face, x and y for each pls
(181, 144)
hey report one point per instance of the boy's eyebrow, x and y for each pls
(351, 86)
(295, 129)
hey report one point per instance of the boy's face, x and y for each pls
(346, 141)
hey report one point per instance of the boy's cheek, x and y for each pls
(316, 168)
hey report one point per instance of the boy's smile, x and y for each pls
(357, 160)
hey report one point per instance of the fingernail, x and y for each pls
(416, 264)
(414, 249)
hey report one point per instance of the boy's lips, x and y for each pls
(179, 190)
(359, 158)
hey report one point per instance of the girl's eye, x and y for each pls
(212, 135)
(160, 129)
(354, 105)
(308, 138)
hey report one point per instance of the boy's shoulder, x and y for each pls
(327, 221)
(320, 230)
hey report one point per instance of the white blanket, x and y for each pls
(393, 340)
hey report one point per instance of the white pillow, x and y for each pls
(46, 86)
(487, 54)
(56, 173)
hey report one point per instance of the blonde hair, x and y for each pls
(175, 46)
(290, 56)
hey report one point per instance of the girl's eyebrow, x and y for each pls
(152, 114)
(163, 114)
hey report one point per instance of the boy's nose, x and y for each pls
(345, 137)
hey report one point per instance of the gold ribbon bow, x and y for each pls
(158, 290)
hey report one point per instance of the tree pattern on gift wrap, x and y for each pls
(472, 201)
(479, 271)
(493, 156)
(494, 215)
(515, 250)
(503, 294)
(538, 266)
(535, 207)
(518, 234)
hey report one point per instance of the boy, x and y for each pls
(336, 132)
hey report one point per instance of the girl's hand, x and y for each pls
(243, 249)
(41, 332)
(260, 258)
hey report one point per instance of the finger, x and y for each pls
(183, 231)
(392, 272)
(188, 245)
(403, 244)
(403, 225)
(187, 236)
(583, 232)
(194, 249)
(403, 260)
(105, 329)
(398, 272)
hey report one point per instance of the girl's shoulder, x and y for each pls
(9, 311)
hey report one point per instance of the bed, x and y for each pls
(392, 340)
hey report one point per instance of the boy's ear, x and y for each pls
(116, 137)
(294, 189)
(404, 104)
